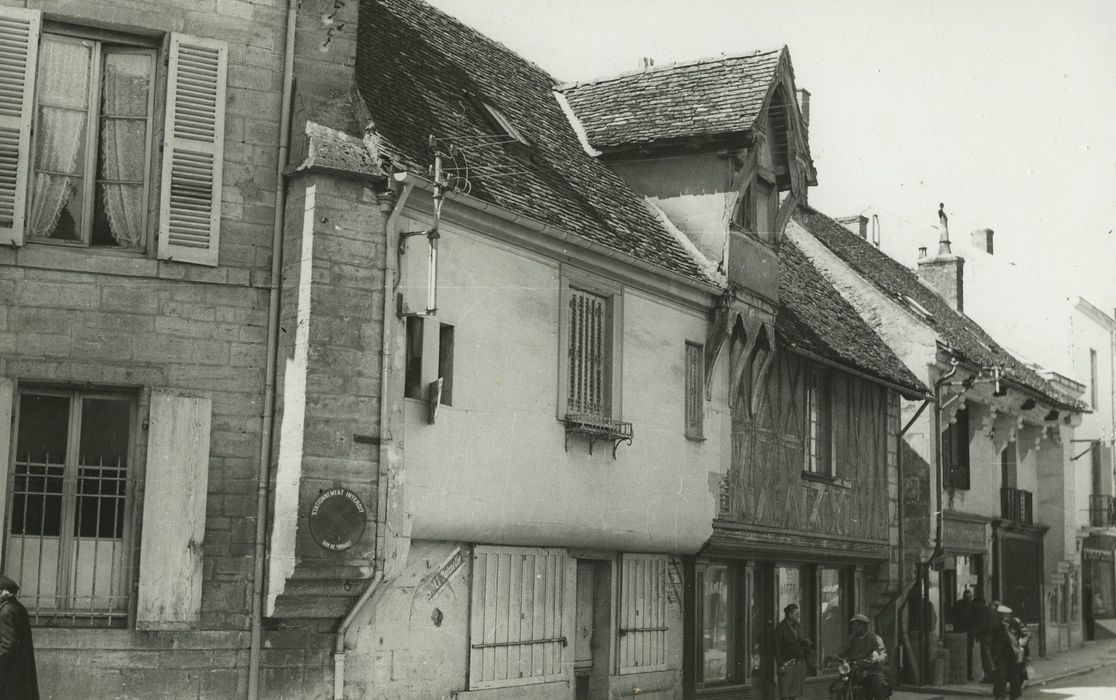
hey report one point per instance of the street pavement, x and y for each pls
(1094, 665)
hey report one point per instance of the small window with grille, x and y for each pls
(695, 380)
(590, 350)
(69, 522)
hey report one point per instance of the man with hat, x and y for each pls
(1008, 648)
(865, 651)
(791, 650)
(18, 680)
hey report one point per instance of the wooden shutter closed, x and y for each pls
(522, 624)
(643, 613)
(193, 145)
(7, 401)
(695, 400)
(173, 512)
(587, 361)
(19, 47)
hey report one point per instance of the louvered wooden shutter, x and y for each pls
(643, 613)
(193, 144)
(19, 48)
(587, 360)
(173, 512)
(522, 617)
(695, 400)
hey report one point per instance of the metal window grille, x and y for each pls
(588, 368)
(71, 487)
(695, 379)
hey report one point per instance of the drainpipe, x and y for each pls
(340, 644)
(267, 415)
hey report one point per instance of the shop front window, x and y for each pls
(834, 614)
(716, 586)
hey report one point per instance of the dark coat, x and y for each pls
(18, 680)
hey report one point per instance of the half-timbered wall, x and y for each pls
(766, 486)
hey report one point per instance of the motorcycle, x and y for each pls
(850, 681)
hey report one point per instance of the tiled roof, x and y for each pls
(716, 96)
(815, 317)
(421, 73)
(956, 330)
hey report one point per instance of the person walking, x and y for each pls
(963, 616)
(18, 679)
(1008, 642)
(790, 654)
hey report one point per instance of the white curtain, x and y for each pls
(63, 98)
(124, 99)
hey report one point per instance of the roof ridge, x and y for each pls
(666, 67)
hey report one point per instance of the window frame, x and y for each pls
(613, 337)
(694, 396)
(954, 452)
(818, 408)
(120, 42)
(73, 616)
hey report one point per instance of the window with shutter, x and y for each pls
(695, 399)
(643, 613)
(190, 197)
(19, 38)
(955, 452)
(72, 486)
(522, 625)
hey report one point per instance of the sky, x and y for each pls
(1003, 111)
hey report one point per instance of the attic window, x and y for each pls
(917, 308)
(502, 123)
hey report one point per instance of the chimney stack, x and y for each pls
(982, 239)
(646, 62)
(944, 272)
(858, 224)
(804, 105)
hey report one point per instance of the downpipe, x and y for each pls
(267, 415)
(339, 645)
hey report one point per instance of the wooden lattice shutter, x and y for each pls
(522, 617)
(174, 512)
(193, 144)
(19, 48)
(643, 613)
(695, 400)
(587, 368)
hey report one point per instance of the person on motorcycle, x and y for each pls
(865, 651)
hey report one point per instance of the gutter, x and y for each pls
(905, 391)
(341, 638)
(267, 415)
(408, 178)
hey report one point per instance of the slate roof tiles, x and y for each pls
(955, 330)
(421, 74)
(710, 97)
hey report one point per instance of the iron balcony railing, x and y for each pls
(1102, 511)
(1017, 505)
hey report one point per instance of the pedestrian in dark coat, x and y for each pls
(790, 654)
(1008, 648)
(18, 680)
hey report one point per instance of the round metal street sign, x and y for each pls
(337, 519)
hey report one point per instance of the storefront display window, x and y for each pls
(834, 613)
(715, 583)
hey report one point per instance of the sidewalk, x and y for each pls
(1054, 667)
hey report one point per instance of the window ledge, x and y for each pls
(596, 428)
(696, 438)
(826, 479)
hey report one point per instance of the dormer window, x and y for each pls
(755, 212)
(502, 124)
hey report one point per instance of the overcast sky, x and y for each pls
(1004, 111)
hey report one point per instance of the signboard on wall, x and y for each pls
(964, 536)
(337, 519)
